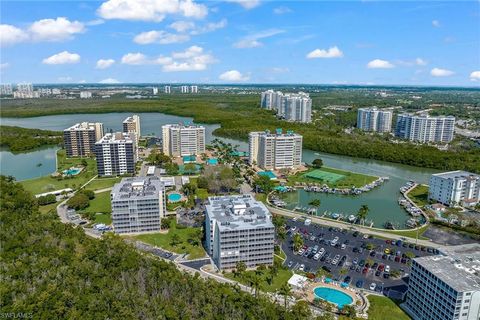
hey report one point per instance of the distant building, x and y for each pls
(56, 91)
(194, 89)
(138, 205)
(238, 229)
(184, 89)
(79, 139)
(291, 106)
(275, 150)
(167, 89)
(132, 125)
(424, 128)
(374, 120)
(6, 89)
(155, 90)
(116, 154)
(455, 187)
(445, 286)
(183, 140)
(25, 91)
(85, 94)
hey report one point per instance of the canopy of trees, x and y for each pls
(219, 179)
(54, 271)
(22, 139)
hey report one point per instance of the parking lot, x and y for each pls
(352, 257)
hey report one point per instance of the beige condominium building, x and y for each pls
(132, 125)
(183, 140)
(79, 139)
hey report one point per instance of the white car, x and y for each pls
(293, 228)
(387, 268)
(295, 219)
(343, 246)
(316, 256)
(321, 251)
(301, 251)
(302, 267)
(373, 286)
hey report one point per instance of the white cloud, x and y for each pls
(251, 41)
(65, 79)
(190, 52)
(410, 63)
(134, 58)
(63, 57)
(182, 26)
(233, 76)
(436, 23)
(109, 81)
(104, 63)
(332, 52)
(420, 62)
(55, 29)
(6, 65)
(150, 10)
(247, 4)
(95, 22)
(160, 37)
(10, 35)
(209, 27)
(380, 64)
(282, 10)
(475, 76)
(438, 72)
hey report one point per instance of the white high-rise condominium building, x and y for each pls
(275, 150)
(138, 205)
(375, 120)
(25, 91)
(291, 106)
(79, 139)
(6, 89)
(116, 154)
(167, 89)
(132, 125)
(424, 128)
(455, 188)
(183, 140)
(238, 229)
(185, 89)
(155, 90)
(194, 89)
(85, 94)
(445, 286)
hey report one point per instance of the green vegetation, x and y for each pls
(49, 183)
(103, 183)
(419, 195)
(177, 239)
(411, 233)
(105, 218)
(48, 199)
(101, 203)
(381, 306)
(239, 114)
(349, 178)
(23, 139)
(54, 271)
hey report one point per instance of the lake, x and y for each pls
(382, 201)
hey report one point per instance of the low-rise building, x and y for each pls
(455, 188)
(445, 286)
(238, 229)
(138, 205)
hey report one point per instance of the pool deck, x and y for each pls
(349, 291)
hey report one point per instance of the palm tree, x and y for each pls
(286, 291)
(362, 213)
(297, 242)
(281, 234)
(255, 282)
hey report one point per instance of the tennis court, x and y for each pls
(324, 175)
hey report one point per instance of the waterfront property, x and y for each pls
(374, 119)
(446, 286)
(183, 140)
(238, 229)
(132, 125)
(290, 106)
(275, 150)
(116, 154)
(268, 174)
(80, 138)
(424, 128)
(455, 188)
(138, 205)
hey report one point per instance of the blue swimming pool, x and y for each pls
(269, 174)
(212, 161)
(71, 172)
(174, 197)
(334, 296)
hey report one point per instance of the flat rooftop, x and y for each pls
(457, 266)
(82, 126)
(456, 174)
(137, 188)
(278, 133)
(238, 212)
(117, 137)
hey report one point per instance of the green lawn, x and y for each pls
(164, 240)
(281, 278)
(411, 233)
(348, 180)
(101, 203)
(102, 183)
(48, 208)
(419, 195)
(105, 218)
(380, 307)
(47, 183)
(261, 197)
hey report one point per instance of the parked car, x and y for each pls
(347, 279)
(373, 286)
(302, 267)
(359, 284)
(290, 264)
(387, 268)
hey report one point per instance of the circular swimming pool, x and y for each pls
(174, 197)
(334, 296)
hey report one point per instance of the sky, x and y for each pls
(241, 41)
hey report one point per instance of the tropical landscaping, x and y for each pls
(334, 178)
